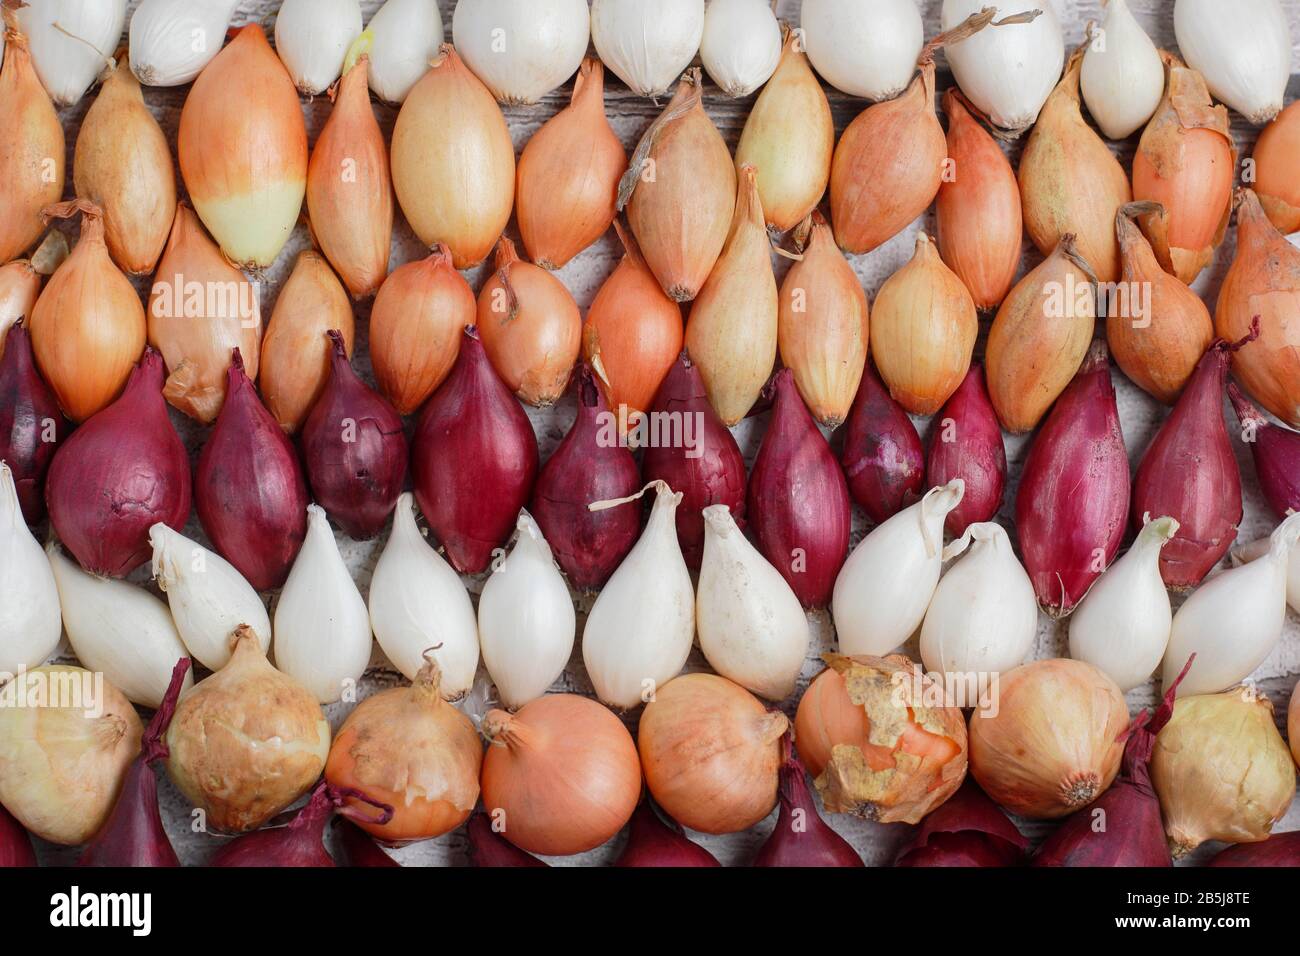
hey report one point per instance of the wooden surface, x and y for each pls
(629, 116)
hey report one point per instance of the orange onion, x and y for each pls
(923, 331)
(567, 184)
(530, 326)
(889, 163)
(680, 192)
(32, 151)
(1053, 743)
(200, 308)
(789, 137)
(20, 285)
(453, 161)
(1040, 336)
(1070, 181)
(872, 744)
(1185, 162)
(711, 752)
(561, 775)
(296, 352)
(823, 326)
(1263, 285)
(1277, 170)
(1159, 328)
(731, 333)
(632, 336)
(349, 190)
(978, 209)
(88, 326)
(243, 150)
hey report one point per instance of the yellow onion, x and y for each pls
(20, 285)
(1293, 723)
(32, 150)
(1158, 329)
(67, 738)
(567, 183)
(349, 191)
(1185, 162)
(1277, 170)
(200, 308)
(978, 209)
(88, 327)
(1054, 741)
(877, 739)
(923, 331)
(633, 334)
(1263, 284)
(680, 192)
(789, 137)
(1039, 337)
(1070, 181)
(822, 326)
(246, 742)
(1221, 770)
(530, 326)
(416, 324)
(296, 350)
(243, 150)
(453, 161)
(731, 333)
(122, 163)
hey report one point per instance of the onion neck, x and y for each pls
(426, 689)
(589, 87)
(502, 728)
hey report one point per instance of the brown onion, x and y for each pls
(1277, 179)
(31, 425)
(20, 287)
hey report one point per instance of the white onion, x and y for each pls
(69, 57)
(647, 43)
(741, 44)
(1242, 48)
(1244, 554)
(30, 623)
(312, 38)
(406, 36)
(171, 41)
(1122, 77)
(521, 49)
(863, 49)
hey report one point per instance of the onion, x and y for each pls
(488, 848)
(453, 161)
(30, 627)
(543, 42)
(312, 39)
(67, 738)
(407, 35)
(1244, 52)
(966, 443)
(15, 845)
(70, 39)
(647, 45)
(409, 748)
(171, 41)
(1276, 452)
(1122, 77)
(882, 456)
(473, 460)
(562, 773)
(354, 450)
(123, 165)
(1275, 173)
(801, 837)
(415, 328)
(358, 848)
(1281, 849)
(116, 476)
(711, 753)
(968, 830)
(31, 425)
(249, 489)
(200, 308)
(246, 742)
(248, 199)
(20, 287)
(652, 842)
(566, 188)
(861, 50)
(88, 326)
(741, 45)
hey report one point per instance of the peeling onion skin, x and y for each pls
(653, 843)
(883, 461)
(966, 443)
(29, 413)
(969, 829)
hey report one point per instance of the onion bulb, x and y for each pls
(171, 41)
(70, 40)
(863, 49)
(312, 38)
(1277, 180)
(521, 49)
(20, 287)
(741, 44)
(1243, 50)
(1122, 76)
(407, 35)
(30, 626)
(647, 45)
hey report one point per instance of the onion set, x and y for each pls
(31, 425)
(966, 443)
(884, 464)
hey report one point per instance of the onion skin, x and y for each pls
(249, 199)
(115, 477)
(801, 837)
(31, 425)
(1276, 452)
(882, 457)
(453, 161)
(653, 843)
(15, 845)
(488, 848)
(20, 287)
(1277, 181)
(969, 829)
(249, 488)
(710, 473)
(966, 443)
(798, 501)
(474, 459)
(359, 849)
(1281, 849)
(415, 328)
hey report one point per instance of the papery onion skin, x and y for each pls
(1277, 179)
(1281, 849)
(488, 848)
(1277, 456)
(801, 837)
(966, 443)
(652, 842)
(31, 425)
(882, 457)
(15, 845)
(711, 753)
(969, 829)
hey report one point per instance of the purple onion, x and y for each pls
(968, 829)
(15, 845)
(301, 842)
(1281, 849)
(966, 443)
(882, 455)
(1276, 451)
(359, 849)
(651, 842)
(489, 848)
(31, 423)
(801, 837)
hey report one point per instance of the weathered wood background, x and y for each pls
(630, 115)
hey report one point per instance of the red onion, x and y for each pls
(801, 837)
(358, 847)
(709, 472)
(31, 423)
(1281, 849)
(1072, 503)
(586, 467)
(133, 834)
(882, 455)
(1276, 451)
(489, 848)
(798, 501)
(354, 450)
(15, 845)
(968, 829)
(966, 443)
(1190, 474)
(474, 458)
(250, 492)
(652, 842)
(119, 474)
